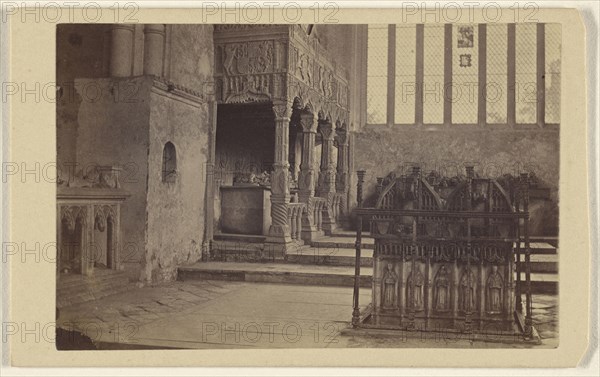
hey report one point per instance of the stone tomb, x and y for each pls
(444, 257)
(245, 209)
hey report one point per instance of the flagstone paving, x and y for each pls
(228, 314)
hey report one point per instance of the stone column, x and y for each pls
(121, 53)
(341, 178)
(279, 233)
(306, 180)
(154, 39)
(327, 175)
(209, 205)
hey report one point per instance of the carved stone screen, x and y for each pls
(496, 73)
(377, 74)
(406, 41)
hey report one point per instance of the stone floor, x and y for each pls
(226, 314)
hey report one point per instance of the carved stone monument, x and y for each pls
(453, 242)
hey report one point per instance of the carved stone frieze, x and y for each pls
(277, 63)
(248, 58)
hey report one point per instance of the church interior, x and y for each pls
(230, 152)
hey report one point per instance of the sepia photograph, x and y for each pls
(239, 186)
(249, 188)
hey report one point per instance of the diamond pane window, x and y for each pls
(406, 47)
(465, 73)
(552, 72)
(377, 74)
(433, 74)
(525, 67)
(496, 74)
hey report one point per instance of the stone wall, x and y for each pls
(115, 132)
(175, 210)
(82, 51)
(381, 150)
(125, 122)
(192, 57)
(337, 40)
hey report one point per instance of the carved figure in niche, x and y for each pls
(321, 80)
(328, 85)
(441, 296)
(389, 287)
(467, 292)
(235, 52)
(415, 289)
(264, 58)
(480, 194)
(303, 68)
(409, 191)
(495, 287)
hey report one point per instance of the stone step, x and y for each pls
(332, 242)
(349, 233)
(245, 238)
(286, 273)
(333, 256)
(313, 275)
(552, 241)
(540, 248)
(542, 283)
(543, 263)
(236, 250)
(546, 263)
(339, 251)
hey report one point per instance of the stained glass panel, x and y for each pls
(465, 73)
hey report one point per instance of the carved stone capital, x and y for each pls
(307, 121)
(341, 137)
(282, 111)
(326, 129)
